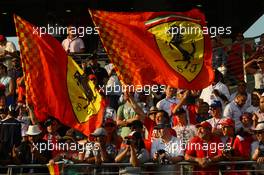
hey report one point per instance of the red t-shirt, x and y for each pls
(201, 149)
(192, 114)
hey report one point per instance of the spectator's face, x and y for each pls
(182, 118)
(242, 88)
(33, 139)
(260, 135)
(159, 118)
(254, 100)
(215, 112)
(163, 132)
(203, 132)
(246, 121)
(203, 108)
(227, 130)
(241, 100)
(101, 139)
(261, 104)
(170, 91)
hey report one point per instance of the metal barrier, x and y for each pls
(147, 168)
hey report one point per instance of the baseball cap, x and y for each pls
(204, 124)
(92, 77)
(99, 132)
(228, 122)
(216, 104)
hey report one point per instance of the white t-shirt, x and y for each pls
(166, 103)
(207, 95)
(74, 45)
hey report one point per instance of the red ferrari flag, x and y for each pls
(55, 84)
(157, 47)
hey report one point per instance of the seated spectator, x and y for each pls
(237, 147)
(257, 148)
(166, 150)
(134, 153)
(204, 157)
(247, 124)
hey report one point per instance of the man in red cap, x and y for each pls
(236, 148)
(204, 149)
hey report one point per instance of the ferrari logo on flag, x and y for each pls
(85, 99)
(181, 43)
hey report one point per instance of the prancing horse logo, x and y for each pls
(182, 48)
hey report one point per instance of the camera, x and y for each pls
(261, 149)
(162, 159)
(229, 151)
(128, 141)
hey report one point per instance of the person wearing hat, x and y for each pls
(112, 137)
(134, 152)
(257, 147)
(184, 130)
(204, 157)
(237, 148)
(216, 113)
(52, 135)
(166, 149)
(33, 151)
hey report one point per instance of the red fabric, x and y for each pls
(45, 69)
(235, 60)
(192, 114)
(139, 60)
(203, 153)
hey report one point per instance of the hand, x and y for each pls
(202, 162)
(216, 92)
(51, 162)
(255, 117)
(260, 160)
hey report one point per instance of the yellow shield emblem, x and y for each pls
(85, 99)
(181, 43)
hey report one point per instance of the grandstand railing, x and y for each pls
(147, 168)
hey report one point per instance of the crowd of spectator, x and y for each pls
(164, 127)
